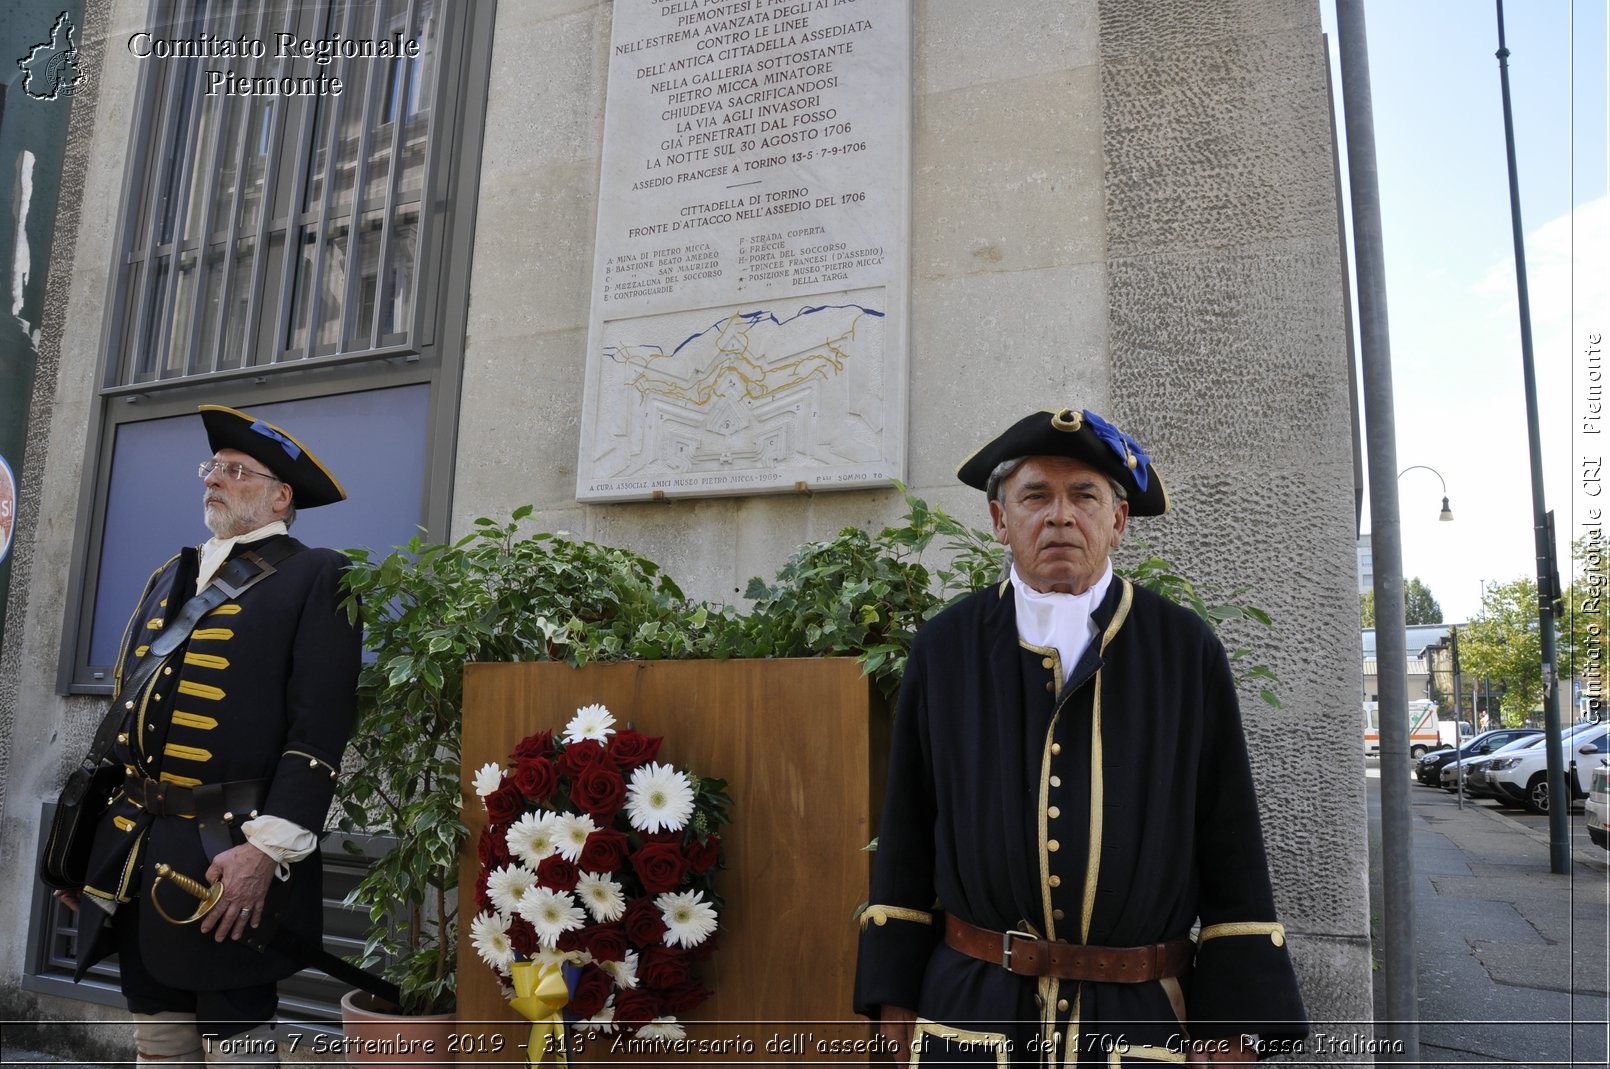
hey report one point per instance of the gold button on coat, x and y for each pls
(1056, 781)
(1053, 846)
(1056, 748)
(1053, 812)
(1055, 881)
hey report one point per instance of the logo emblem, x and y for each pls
(50, 69)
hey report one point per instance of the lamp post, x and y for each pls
(1542, 519)
(1447, 514)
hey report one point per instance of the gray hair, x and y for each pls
(1003, 471)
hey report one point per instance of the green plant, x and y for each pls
(427, 609)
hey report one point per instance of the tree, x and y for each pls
(1419, 607)
(1502, 644)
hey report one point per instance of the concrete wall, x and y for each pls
(43, 735)
(1125, 205)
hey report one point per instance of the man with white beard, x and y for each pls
(231, 746)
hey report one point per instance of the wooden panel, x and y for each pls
(802, 744)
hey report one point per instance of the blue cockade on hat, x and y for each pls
(293, 450)
(1133, 456)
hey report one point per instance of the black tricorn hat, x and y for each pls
(1083, 436)
(291, 462)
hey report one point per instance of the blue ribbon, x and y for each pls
(1128, 450)
(293, 450)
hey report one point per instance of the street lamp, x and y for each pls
(1447, 513)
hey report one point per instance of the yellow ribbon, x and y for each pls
(540, 996)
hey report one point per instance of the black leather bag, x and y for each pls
(72, 830)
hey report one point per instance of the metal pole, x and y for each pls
(1559, 800)
(1397, 936)
(1458, 740)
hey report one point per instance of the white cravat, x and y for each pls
(1058, 621)
(215, 551)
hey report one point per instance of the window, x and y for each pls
(293, 251)
(274, 229)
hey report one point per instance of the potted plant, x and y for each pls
(427, 609)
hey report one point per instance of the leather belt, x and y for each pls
(214, 806)
(1027, 955)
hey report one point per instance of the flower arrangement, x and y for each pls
(599, 858)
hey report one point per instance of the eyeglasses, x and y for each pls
(207, 467)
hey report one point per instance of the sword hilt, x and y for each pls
(208, 895)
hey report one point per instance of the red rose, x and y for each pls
(702, 953)
(673, 837)
(570, 942)
(636, 1007)
(557, 874)
(598, 791)
(492, 848)
(603, 851)
(663, 967)
(629, 749)
(536, 745)
(593, 986)
(535, 778)
(522, 937)
(605, 942)
(659, 866)
(578, 755)
(684, 996)
(644, 925)
(483, 901)
(703, 856)
(504, 804)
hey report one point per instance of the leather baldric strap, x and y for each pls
(1026, 955)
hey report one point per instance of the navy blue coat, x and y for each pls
(1115, 810)
(265, 688)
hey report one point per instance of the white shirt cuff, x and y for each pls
(282, 840)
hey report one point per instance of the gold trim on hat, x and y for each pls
(1067, 420)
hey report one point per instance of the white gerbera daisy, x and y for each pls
(551, 913)
(555, 956)
(624, 973)
(602, 896)
(531, 838)
(570, 831)
(590, 722)
(659, 798)
(603, 1020)
(689, 919)
(488, 778)
(665, 1028)
(489, 934)
(508, 886)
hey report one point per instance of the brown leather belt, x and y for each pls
(1026, 955)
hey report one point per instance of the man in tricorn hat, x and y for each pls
(231, 746)
(1069, 795)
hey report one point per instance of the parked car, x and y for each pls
(1523, 778)
(1475, 769)
(1598, 805)
(1428, 770)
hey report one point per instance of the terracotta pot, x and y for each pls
(374, 1034)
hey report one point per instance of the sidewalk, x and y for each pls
(1511, 957)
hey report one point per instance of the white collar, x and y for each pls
(215, 551)
(1058, 621)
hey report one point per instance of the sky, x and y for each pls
(1458, 392)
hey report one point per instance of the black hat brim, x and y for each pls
(277, 450)
(1071, 434)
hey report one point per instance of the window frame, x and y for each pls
(442, 291)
